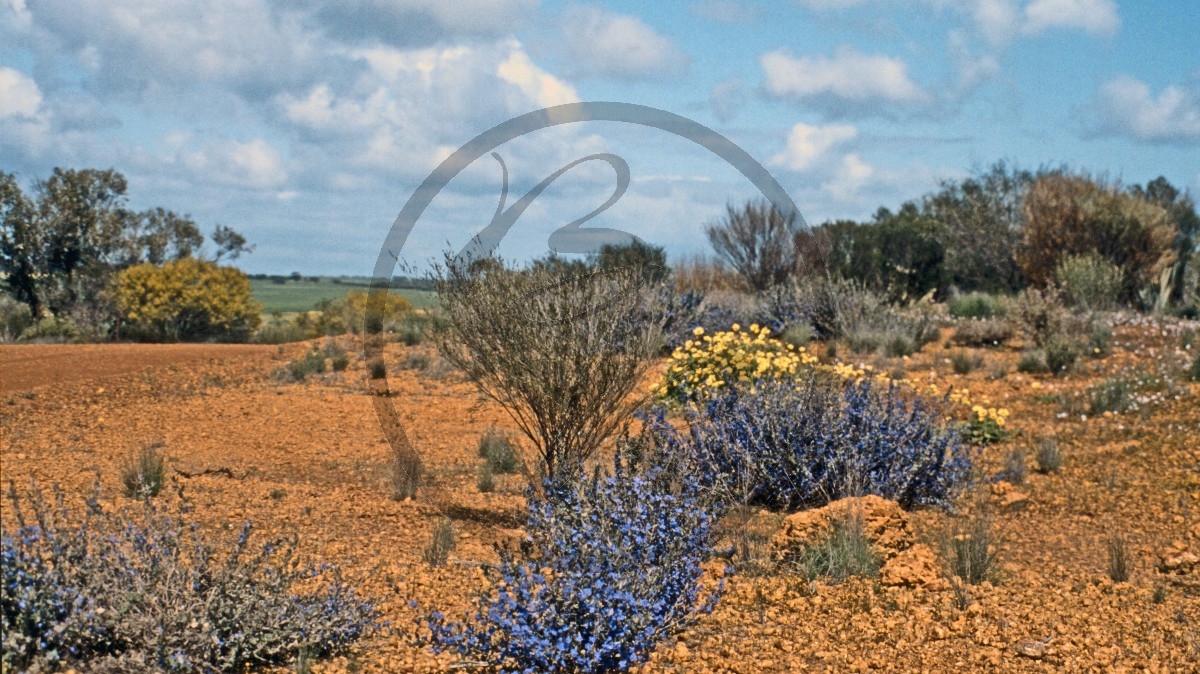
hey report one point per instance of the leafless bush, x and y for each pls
(561, 350)
(758, 241)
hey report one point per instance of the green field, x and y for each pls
(304, 295)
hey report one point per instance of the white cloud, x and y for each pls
(996, 20)
(850, 177)
(1126, 106)
(1098, 17)
(848, 76)
(19, 94)
(807, 144)
(254, 163)
(616, 45)
(537, 84)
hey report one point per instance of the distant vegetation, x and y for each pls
(287, 294)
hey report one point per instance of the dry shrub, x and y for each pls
(758, 241)
(562, 351)
(983, 332)
(1069, 214)
(705, 275)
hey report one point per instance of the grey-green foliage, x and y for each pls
(969, 548)
(140, 589)
(1089, 282)
(842, 553)
(144, 473)
(562, 350)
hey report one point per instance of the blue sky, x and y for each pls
(307, 124)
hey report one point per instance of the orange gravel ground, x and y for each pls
(311, 458)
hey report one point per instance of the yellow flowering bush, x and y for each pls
(707, 363)
(186, 299)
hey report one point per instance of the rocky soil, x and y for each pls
(311, 458)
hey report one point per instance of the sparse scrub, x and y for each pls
(144, 473)
(613, 568)
(1099, 338)
(313, 362)
(965, 363)
(404, 472)
(1032, 361)
(441, 543)
(498, 452)
(983, 332)
(411, 330)
(1049, 456)
(844, 553)
(1042, 315)
(140, 590)
(1014, 467)
(1194, 371)
(797, 335)
(377, 369)
(1118, 559)
(1061, 354)
(977, 305)
(1089, 282)
(969, 547)
(997, 371)
(1111, 395)
(849, 311)
(487, 479)
(417, 361)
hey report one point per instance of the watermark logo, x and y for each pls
(572, 238)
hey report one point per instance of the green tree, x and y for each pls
(650, 261)
(900, 253)
(59, 250)
(229, 243)
(22, 250)
(981, 221)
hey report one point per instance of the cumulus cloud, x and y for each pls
(1126, 106)
(19, 94)
(807, 144)
(1097, 17)
(846, 81)
(254, 163)
(537, 84)
(851, 176)
(599, 42)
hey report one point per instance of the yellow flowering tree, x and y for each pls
(186, 299)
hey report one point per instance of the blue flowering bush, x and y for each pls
(126, 591)
(610, 567)
(792, 444)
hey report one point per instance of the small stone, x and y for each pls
(1031, 648)
(1014, 499)
(1182, 562)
